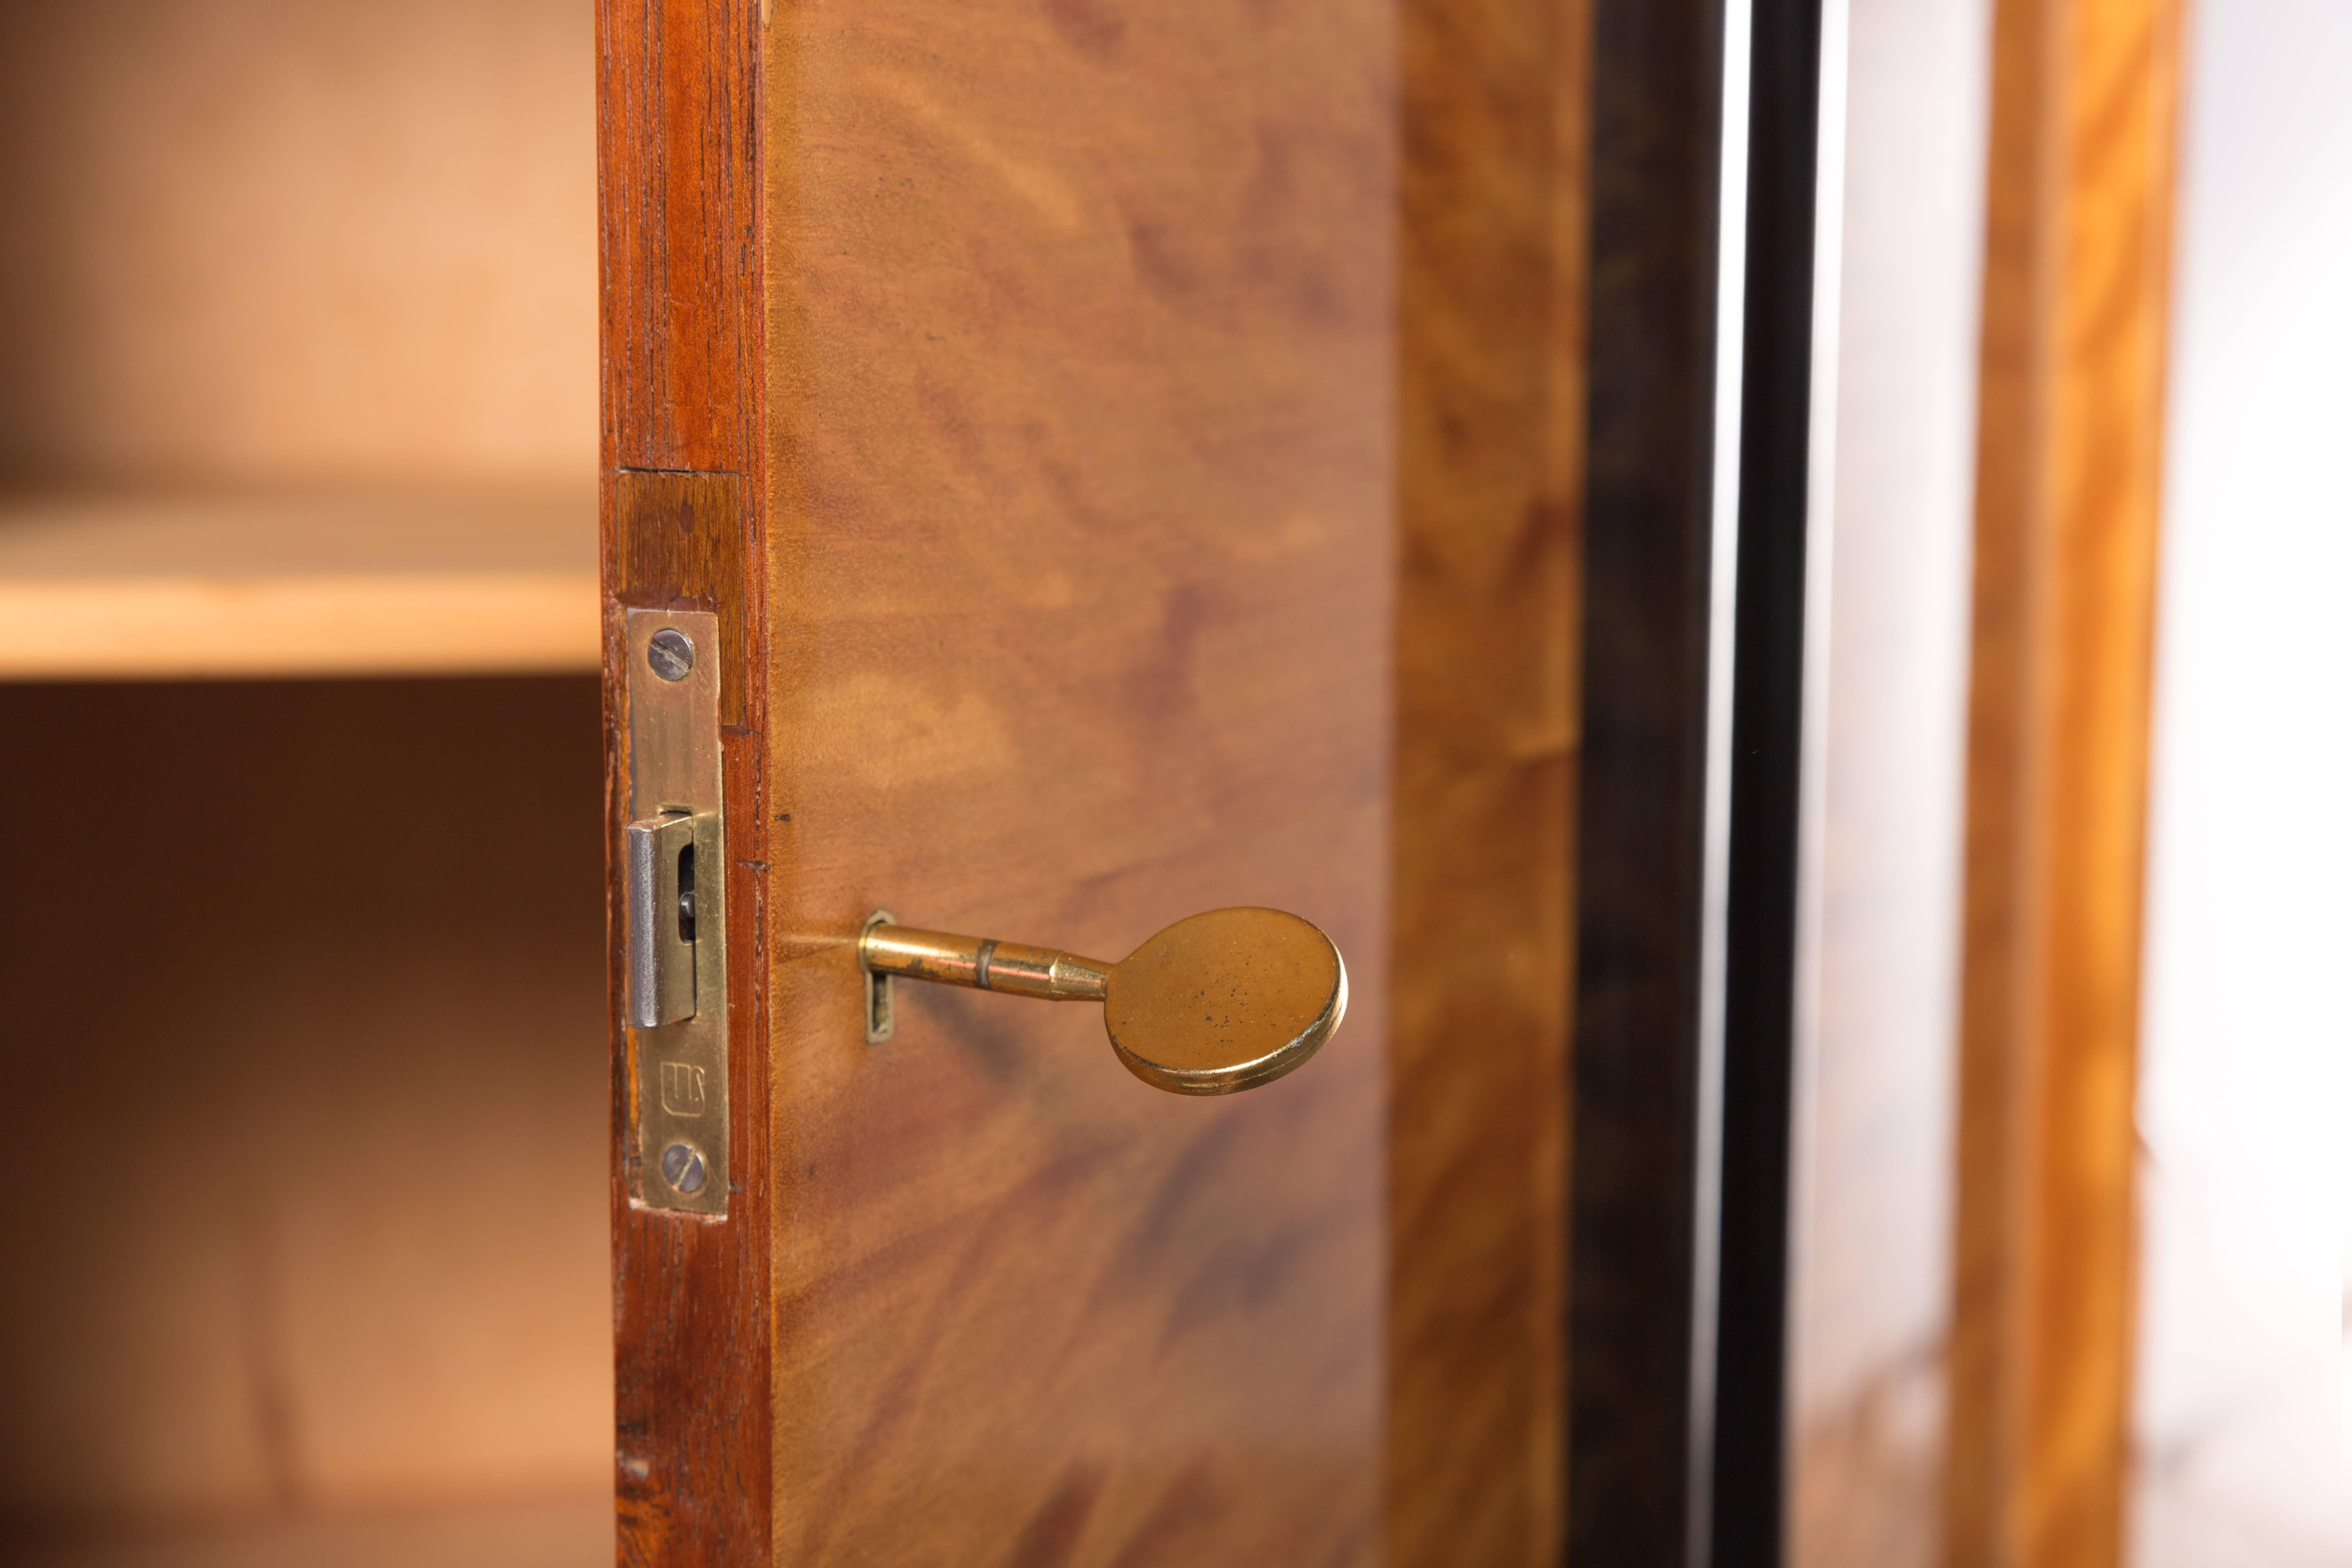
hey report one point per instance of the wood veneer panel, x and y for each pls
(1490, 374)
(1080, 557)
(1082, 567)
(2069, 462)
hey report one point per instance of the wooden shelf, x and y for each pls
(142, 586)
(554, 1532)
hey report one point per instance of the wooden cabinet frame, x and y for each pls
(1545, 1381)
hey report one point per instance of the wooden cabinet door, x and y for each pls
(1123, 492)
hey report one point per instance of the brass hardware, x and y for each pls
(658, 860)
(674, 855)
(1216, 1003)
(984, 964)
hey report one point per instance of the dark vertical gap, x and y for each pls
(1657, 97)
(1750, 1466)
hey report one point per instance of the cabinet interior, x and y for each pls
(304, 971)
(325, 271)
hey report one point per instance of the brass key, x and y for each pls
(1215, 1003)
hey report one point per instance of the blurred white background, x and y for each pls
(2246, 1085)
(1872, 1276)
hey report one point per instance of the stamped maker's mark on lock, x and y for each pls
(682, 1089)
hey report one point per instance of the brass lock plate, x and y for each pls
(674, 862)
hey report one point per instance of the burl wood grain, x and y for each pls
(2069, 463)
(1102, 351)
(1490, 421)
(1081, 567)
(681, 248)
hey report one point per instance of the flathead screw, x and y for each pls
(682, 1167)
(671, 654)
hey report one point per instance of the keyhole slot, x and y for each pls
(881, 1017)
